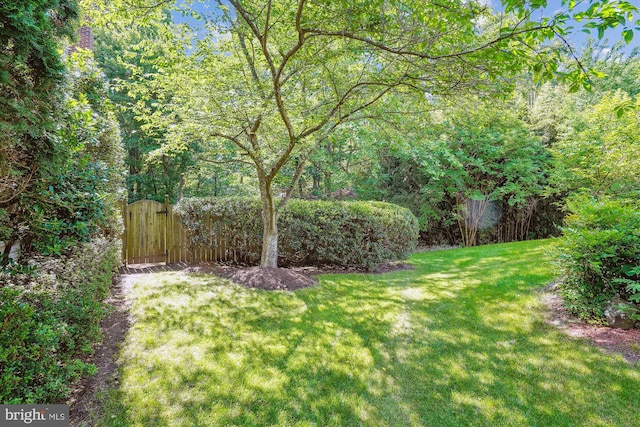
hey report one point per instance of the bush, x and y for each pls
(349, 234)
(599, 254)
(235, 221)
(50, 319)
(75, 182)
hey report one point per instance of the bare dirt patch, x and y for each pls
(83, 408)
(624, 342)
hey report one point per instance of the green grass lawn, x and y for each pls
(459, 341)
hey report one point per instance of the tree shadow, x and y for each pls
(458, 341)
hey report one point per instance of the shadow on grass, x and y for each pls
(457, 341)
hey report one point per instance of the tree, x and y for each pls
(129, 54)
(30, 67)
(30, 64)
(273, 79)
(492, 160)
(601, 157)
(475, 166)
(31, 72)
(618, 69)
(74, 199)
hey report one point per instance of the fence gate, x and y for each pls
(153, 234)
(145, 234)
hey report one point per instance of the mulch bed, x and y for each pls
(287, 279)
(263, 277)
(624, 342)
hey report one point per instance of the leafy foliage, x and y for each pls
(601, 153)
(30, 65)
(478, 172)
(270, 81)
(31, 72)
(599, 255)
(490, 156)
(61, 165)
(349, 234)
(75, 196)
(51, 318)
(131, 56)
(617, 69)
(594, 144)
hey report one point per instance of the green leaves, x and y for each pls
(51, 318)
(60, 145)
(348, 234)
(604, 15)
(598, 252)
(601, 157)
(275, 79)
(31, 34)
(623, 108)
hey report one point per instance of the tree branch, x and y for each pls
(223, 162)
(421, 55)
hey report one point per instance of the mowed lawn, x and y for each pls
(459, 341)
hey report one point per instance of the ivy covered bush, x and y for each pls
(599, 255)
(348, 234)
(235, 221)
(51, 316)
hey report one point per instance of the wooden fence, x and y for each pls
(154, 234)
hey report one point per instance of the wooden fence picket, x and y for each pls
(153, 234)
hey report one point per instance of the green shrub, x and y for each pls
(236, 221)
(50, 318)
(599, 254)
(349, 234)
(77, 180)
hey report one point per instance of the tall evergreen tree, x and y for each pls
(31, 72)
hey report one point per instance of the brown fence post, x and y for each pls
(123, 211)
(166, 225)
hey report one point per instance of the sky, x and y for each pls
(577, 40)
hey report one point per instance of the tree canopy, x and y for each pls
(269, 81)
(30, 72)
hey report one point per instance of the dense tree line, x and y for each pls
(516, 158)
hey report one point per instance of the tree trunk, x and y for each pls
(327, 184)
(315, 173)
(269, 256)
(470, 211)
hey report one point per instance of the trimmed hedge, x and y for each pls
(50, 318)
(321, 233)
